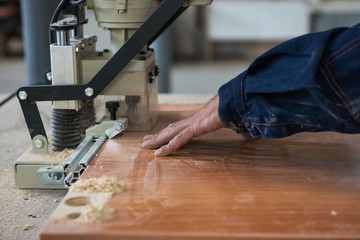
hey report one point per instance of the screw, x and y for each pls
(38, 143)
(89, 92)
(157, 70)
(49, 76)
(119, 127)
(151, 77)
(57, 176)
(23, 95)
(77, 49)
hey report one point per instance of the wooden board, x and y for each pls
(220, 186)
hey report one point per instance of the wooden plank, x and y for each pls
(221, 186)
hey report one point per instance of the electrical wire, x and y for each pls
(7, 99)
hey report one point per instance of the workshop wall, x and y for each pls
(209, 45)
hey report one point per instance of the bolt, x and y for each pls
(49, 76)
(112, 106)
(119, 127)
(89, 92)
(38, 143)
(77, 49)
(57, 176)
(23, 95)
(157, 70)
(151, 77)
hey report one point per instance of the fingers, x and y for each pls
(162, 138)
(179, 140)
(178, 134)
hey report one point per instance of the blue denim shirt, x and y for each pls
(309, 83)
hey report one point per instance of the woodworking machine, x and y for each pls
(123, 78)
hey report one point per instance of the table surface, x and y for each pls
(221, 186)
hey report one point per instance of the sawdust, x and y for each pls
(59, 216)
(96, 214)
(27, 227)
(51, 156)
(98, 185)
(91, 208)
(91, 214)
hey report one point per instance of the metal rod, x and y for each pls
(85, 161)
(62, 37)
(78, 153)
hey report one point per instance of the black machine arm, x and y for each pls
(160, 19)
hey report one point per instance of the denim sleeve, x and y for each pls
(309, 83)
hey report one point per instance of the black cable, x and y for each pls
(7, 99)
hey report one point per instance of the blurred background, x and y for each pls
(203, 49)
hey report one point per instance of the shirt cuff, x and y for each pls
(230, 105)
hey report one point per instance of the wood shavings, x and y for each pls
(91, 208)
(58, 216)
(51, 156)
(92, 214)
(27, 227)
(98, 185)
(96, 214)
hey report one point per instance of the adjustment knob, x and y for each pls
(112, 106)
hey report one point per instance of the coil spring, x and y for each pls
(87, 115)
(65, 129)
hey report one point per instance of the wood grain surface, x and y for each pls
(221, 186)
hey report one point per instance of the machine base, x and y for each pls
(38, 170)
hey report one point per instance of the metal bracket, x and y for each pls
(74, 165)
(109, 128)
(40, 145)
(52, 175)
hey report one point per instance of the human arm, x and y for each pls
(310, 83)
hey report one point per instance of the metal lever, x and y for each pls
(115, 130)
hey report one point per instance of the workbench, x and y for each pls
(223, 186)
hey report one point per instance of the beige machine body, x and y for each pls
(74, 60)
(136, 86)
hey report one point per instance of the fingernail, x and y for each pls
(157, 152)
(147, 144)
(147, 137)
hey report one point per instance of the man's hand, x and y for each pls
(179, 133)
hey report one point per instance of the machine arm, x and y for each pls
(162, 17)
